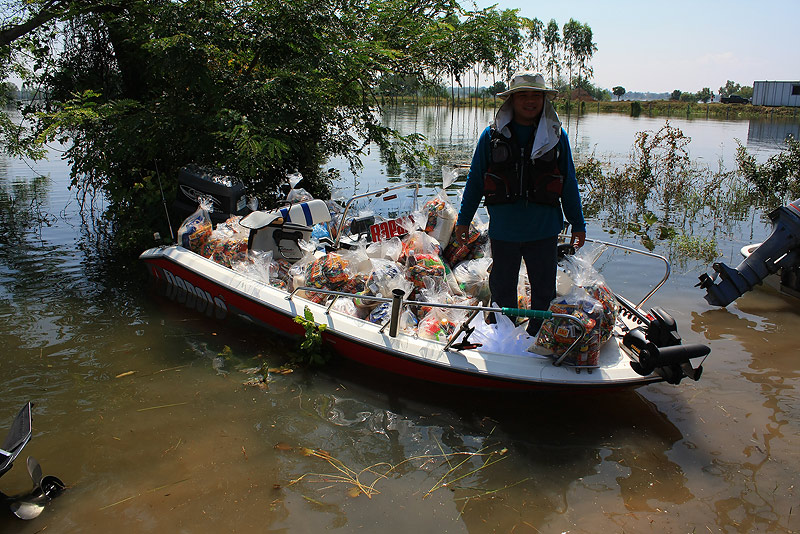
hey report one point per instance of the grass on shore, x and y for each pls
(652, 108)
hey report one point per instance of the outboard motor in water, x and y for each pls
(781, 250)
(27, 505)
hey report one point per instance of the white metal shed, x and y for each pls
(769, 93)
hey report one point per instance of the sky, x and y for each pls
(658, 47)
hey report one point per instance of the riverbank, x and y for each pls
(653, 108)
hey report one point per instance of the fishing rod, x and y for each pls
(164, 201)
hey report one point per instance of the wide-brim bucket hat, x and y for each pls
(528, 81)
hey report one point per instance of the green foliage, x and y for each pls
(729, 88)
(675, 95)
(312, 350)
(636, 108)
(260, 88)
(618, 91)
(704, 95)
(777, 180)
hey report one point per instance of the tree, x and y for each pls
(584, 51)
(746, 91)
(571, 45)
(552, 41)
(704, 95)
(497, 87)
(534, 31)
(729, 88)
(618, 91)
(689, 97)
(260, 87)
(675, 95)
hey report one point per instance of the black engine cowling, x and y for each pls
(658, 348)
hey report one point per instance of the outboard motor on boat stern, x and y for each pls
(781, 250)
(226, 193)
(658, 347)
(45, 488)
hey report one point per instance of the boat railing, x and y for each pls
(374, 194)
(398, 302)
(667, 268)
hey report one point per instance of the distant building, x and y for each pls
(768, 93)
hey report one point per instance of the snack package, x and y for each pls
(279, 273)
(440, 217)
(422, 265)
(589, 301)
(196, 229)
(455, 252)
(437, 325)
(227, 243)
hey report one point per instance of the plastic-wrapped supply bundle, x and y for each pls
(380, 313)
(279, 273)
(455, 252)
(389, 249)
(418, 242)
(424, 265)
(197, 228)
(384, 277)
(440, 217)
(227, 243)
(593, 304)
(346, 306)
(436, 325)
(336, 272)
(473, 278)
(256, 265)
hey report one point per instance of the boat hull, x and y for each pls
(219, 293)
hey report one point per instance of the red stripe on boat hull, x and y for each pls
(354, 350)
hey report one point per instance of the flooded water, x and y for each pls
(141, 408)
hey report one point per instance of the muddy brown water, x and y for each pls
(144, 413)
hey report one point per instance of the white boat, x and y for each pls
(644, 347)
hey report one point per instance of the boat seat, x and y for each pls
(281, 230)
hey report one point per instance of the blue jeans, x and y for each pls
(541, 260)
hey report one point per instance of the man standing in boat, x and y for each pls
(523, 168)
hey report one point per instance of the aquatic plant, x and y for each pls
(777, 181)
(312, 350)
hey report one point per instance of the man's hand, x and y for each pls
(578, 239)
(462, 233)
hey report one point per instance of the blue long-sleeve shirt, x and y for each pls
(523, 220)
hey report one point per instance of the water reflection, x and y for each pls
(772, 133)
(760, 328)
(558, 450)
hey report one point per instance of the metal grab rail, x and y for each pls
(668, 268)
(399, 302)
(376, 194)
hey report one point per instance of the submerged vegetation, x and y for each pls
(696, 203)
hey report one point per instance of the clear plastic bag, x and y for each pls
(440, 217)
(473, 278)
(196, 228)
(501, 336)
(256, 265)
(593, 304)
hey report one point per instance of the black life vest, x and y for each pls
(513, 175)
